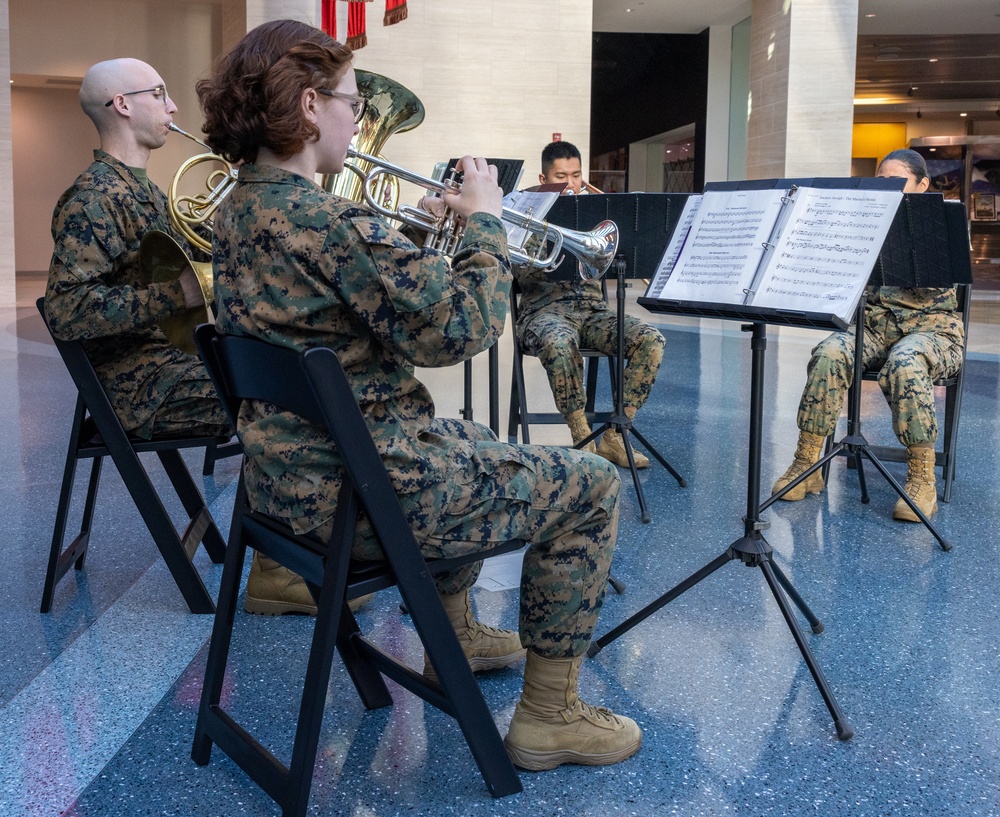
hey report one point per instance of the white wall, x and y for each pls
(52, 139)
(497, 78)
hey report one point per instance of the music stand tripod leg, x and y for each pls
(619, 420)
(753, 550)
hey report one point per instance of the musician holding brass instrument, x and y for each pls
(98, 292)
(557, 317)
(300, 267)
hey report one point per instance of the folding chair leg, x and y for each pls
(164, 534)
(194, 504)
(75, 553)
(218, 651)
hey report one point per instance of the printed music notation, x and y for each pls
(806, 249)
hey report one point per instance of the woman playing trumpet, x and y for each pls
(300, 267)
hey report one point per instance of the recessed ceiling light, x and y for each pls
(932, 149)
(932, 59)
(869, 15)
(963, 114)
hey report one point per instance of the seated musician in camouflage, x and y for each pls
(556, 318)
(92, 293)
(914, 336)
(300, 267)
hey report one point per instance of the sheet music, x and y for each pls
(677, 240)
(533, 203)
(823, 259)
(723, 247)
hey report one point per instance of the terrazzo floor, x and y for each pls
(98, 698)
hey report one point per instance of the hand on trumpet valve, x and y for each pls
(479, 193)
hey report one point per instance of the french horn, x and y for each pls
(162, 260)
(191, 214)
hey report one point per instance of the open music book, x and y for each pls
(795, 250)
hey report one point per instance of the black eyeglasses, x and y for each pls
(160, 91)
(359, 104)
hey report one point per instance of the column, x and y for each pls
(7, 288)
(802, 67)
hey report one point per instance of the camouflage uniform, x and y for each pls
(92, 296)
(914, 336)
(299, 268)
(556, 318)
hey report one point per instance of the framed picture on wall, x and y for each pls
(984, 206)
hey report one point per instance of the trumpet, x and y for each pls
(189, 214)
(595, 249)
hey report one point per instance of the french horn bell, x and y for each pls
(162, 260)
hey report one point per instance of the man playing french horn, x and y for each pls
(115, 299)
(96, 292)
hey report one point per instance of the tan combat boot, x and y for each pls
(807, 452)
(612, 448)
(552, 726)
(273, 590)
(921, 484)
(486, 647)
(579, 428)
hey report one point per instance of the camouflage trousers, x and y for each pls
(908, 366)
(192, 407)
(556, 336)
(562, 502)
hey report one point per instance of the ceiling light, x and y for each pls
(932, 149)
(872, 15)
(963, 114)
(932, 59)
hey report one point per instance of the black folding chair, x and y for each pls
(313, 385)
(97, 433)
(520, 416)
(946, 456)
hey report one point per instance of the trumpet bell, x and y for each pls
(595, 250)
(161, 260)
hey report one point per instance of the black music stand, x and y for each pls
(645, 223)
(508, 175)
(752, 549)
(927, 246)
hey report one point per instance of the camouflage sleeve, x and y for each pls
(89, 293)
(432, 312)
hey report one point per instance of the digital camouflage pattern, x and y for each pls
(557, 318)
(93, 296)
(913, 337)
(300, 268)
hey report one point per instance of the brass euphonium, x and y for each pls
(392, 108)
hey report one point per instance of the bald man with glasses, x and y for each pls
(93, 294)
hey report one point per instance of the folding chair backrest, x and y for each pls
(313, 385)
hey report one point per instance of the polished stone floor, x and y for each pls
(98, 698)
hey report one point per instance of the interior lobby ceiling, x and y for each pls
(913, 55)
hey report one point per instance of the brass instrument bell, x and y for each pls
(161, 260)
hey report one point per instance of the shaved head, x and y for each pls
(105, 79)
